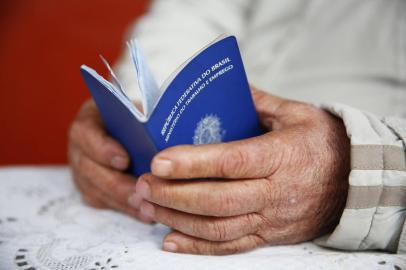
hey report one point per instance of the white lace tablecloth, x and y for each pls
(44, 225)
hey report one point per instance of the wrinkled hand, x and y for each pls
(286, 186)
(98, 162)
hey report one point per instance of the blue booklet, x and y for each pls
(206, 100)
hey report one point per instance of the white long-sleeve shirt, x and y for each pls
(350, 52)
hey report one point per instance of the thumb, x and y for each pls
(266, 103)
(277, 113)
(182, 243)
(255, 157)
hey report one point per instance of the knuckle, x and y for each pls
(304, 110)
(75, 130)
(143, 178)
(218, 231)
(82, 164)
(162, 191)
(85, 166)
(112, 183)
(256, 240)
(159, 190)
(252, 220)
(267, 193)
(223, 204)
(199, 247)
(232, 162)
(232, 247)
(93, 202)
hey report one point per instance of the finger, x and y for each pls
(115, 184)
(209, 198)
(181, 243)
(250, 158)
(98, 199)
(209, 228)
(86, 194)
(277, 113)
(93, 201)
(88, 133)
(266, 103)
(89, 197)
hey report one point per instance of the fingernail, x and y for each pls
(170, 246)
(147, 210)
(135, 200)
(161, 167)
(142, 191)
(144, 219)
(119, 162)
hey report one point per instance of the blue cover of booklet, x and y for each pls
(206, 100)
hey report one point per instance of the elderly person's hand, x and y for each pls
(286, 186)
(98, 162)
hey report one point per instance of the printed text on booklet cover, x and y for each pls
(209, 75)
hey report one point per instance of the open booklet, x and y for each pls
(206, 100)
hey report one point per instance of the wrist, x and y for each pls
(341, 165)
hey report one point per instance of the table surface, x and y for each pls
(45, 225)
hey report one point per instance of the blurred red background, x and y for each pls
(42, 45)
